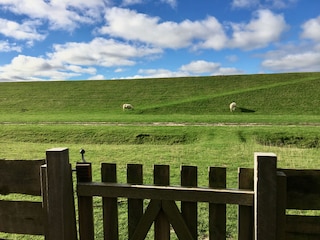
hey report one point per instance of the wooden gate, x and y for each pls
(162, 209)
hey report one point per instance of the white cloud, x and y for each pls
(298, 57)
(204, 67)
(293, 58)
(5, 46)
(158, 73)
(311, 29)
(244, 3)
(27, 30)
(172, 3)
(280, 3)
(131, 2)
(61, 14)
(74, 59)
(262, 3)
(97, 77)
(199, 67)
(265, 28)
(150, 30)
(144, 28)
(101, 52)
(36, 68)
(195, 68)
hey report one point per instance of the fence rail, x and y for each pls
(175, 193)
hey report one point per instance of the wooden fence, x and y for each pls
(266, 199)
(54, 216)
(263, 196)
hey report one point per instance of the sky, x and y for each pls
(45, 40)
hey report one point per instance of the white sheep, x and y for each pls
(232, 106)
(127, 106)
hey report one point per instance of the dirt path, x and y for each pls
(161, 124)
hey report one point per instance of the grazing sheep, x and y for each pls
(127, 106)
(232, 106)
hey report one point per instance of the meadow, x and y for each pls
(183, 120)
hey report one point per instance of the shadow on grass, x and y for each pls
(246, 110)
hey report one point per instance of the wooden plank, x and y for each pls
(22, 217)
(44, 194)
(110, 205)
(219, 196)
(303, 224)
(135, 206)
(60, 206)
(281, 205)
(20, 176)
(303, 189)
(217, 212)
(85, 203)
(189, 210)
(297, 236)
(178, 222)
(142, 229)
(265, 188)
(245, 213)
(161, 177)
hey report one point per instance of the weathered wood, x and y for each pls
(281, 205)
(20, 176)
(217, 212)
(110, 205)
(135, 206)
(161, 177)
(189, 210)
(303, 225)
(265, 187)
(178, 222)
(297, 236)
(44, 194)
(22, 217)
(245, 213)
(142, 229)
(85, 203)
(219, 196)
(60, 206)
(303, 189)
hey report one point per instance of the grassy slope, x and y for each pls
(272, 94)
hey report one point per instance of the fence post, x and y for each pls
(217, 212)
(44, 195)
(85, 204)
(189, 210)
(281, 205)
(135, 206)
(265, 199)
(161, 177)
(58, 194)
(110, 205)
(245, 213)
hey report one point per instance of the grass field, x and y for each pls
(185, 121)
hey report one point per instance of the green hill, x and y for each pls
(263, 94)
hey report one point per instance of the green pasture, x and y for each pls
(193, 99)
(183, 121)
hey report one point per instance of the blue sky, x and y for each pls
(121, 39)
